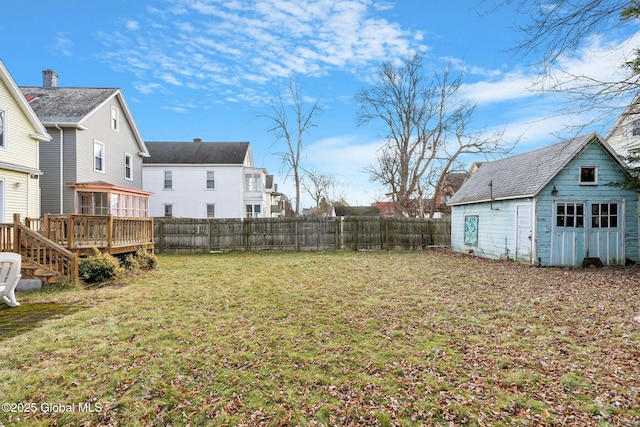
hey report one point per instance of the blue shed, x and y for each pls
(549, 207)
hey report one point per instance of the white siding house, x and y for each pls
(551, 206)
(205, 180)
(20, 135)
(624, 135)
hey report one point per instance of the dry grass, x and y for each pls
(337, 338)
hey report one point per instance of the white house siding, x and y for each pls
(116, 144)
(496, 228)
(620, 137)
(189, 196)
(21, 194)
(569, 190)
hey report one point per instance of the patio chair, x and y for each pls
(9, 277)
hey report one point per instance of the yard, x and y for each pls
(333, 338)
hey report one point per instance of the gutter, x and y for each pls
(61, 168)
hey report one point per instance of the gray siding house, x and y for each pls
(93, 164)
(550, 207)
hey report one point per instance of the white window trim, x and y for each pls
(115, 125)
(4, 140)
(207, 180)
(130, 157)
(104, 157)
(595, 182)
(206, 207)
(164, 180)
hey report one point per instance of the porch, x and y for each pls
(108, 233)
(50, 246)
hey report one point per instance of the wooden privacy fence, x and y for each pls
(190, 235)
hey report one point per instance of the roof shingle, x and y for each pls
(212, 153)
(522, 175)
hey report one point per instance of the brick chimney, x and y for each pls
(197, 139)
(49, 79)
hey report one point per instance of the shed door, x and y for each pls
(588, 229)
(606, 239)
(524, 230)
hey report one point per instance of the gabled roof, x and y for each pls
(41, 133)
(526, 174)
(632, 109)
(70, 106)
(197, 153)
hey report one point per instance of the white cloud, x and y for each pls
(251, 43)
(63, 44)
(132, 25)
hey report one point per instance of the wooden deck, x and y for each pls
(107, 233)
(50, 247)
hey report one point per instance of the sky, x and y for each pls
(209, 68)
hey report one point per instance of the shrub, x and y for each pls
(140, 260)
(146, 260)
(99, 267)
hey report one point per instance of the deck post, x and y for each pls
(70, 231)
(46, 225)
(16, 234)
(110, 232)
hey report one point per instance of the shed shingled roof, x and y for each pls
(200, 153)
(523, 175)
(65, 104)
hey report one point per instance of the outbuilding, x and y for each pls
(554, 206)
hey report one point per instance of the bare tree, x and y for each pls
(291, 119)
(419, 117)
(318, 186)
(558, 29)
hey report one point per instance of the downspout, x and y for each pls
(61, 168)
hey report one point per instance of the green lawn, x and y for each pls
(333, 338)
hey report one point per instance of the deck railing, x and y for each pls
(107, 233)
(44, 255)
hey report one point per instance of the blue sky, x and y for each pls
(206, 68)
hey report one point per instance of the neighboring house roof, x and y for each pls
(197, 153)
(357, 211)
(454, 180)
(41, 133)
(631, 110)
(69, 106)
(523, 175)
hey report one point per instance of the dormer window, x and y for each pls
(115, 119)
(588, 175)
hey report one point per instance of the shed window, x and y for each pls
(604, 215)
(471, 230)
(570, 215)
(588, 175)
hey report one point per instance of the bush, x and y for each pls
(99, 267)
(140, 260)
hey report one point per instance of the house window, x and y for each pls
(115, 119)
(211, 182)
(128, 167)
(168, 180)
(604, 215)
(98, 157)
(3, 128)
(168, 210)
(253, 211)
(635, 127)
(471, 230)
(211, 211)
(90, 203)
(253, 182)
(570, 215)
(588, 175)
